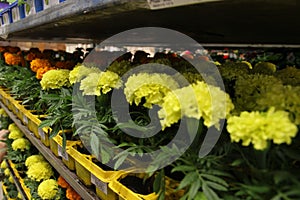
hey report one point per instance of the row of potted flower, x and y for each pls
(36, 176)
(253, 116)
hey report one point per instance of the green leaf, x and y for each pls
(105, 156)
(237, 162)
(194, 189)
(159, 181)
(95, 144)
(188, 180)
(258, 188)
(200, 196)
(216, 186)
(120, 160)
(209, 193)
(215, 179)
(183, 168)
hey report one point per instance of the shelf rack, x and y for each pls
(69, 176)
(16, 181)
(207, 21)
(236, 23)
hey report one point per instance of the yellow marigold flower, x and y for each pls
(260, 127)
(21, 144)
(80, 71)
(107, 81)
(3, 113)
(48, 189)
(55, 79)
(196, 101)
(40, 171)
(6, 172)
(12, 127)
(19, 195)
(178, 103)
(152, 87)
(15, 134)
(11, 179)
(41, 71)
(3, 165)
(89, 84)
(100, 83)
(33, 159)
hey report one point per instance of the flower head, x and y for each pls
(100, 83)
(40, 171)
(15, 134)
(196, 101)
(3, 165)
(39, 63)
(11, 179)
(55, 79)
(34, 159)
(282, 97)
(3, 113)
(12, 127)
(21, 144)
(13, 59)
(107, 81)
(260, 127)
(48, 189)
(152, 87)
(62, 182)
(72, 194)
(80, 71)
(6, 172)
(89, 84)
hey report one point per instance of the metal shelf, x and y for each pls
(271, 22)
(69, 176)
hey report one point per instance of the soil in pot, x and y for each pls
(138, 185)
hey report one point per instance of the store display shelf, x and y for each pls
(18, 181)
(69, 176)
(206, 21)
(27, 117)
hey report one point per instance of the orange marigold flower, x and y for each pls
(41, 71)
(62, 182)
(72, 194)
(13, 59)
(39, 63)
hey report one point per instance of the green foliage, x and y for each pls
(59, 111)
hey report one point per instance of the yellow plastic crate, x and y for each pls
(92, 174)
(32, 122)
(57, 148)
(125, 193)
(5, 193)
(5, 97)
(20, 179)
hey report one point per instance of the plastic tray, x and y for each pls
(57, 148)
(20, 179)
(127, 194)
(92, 174)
